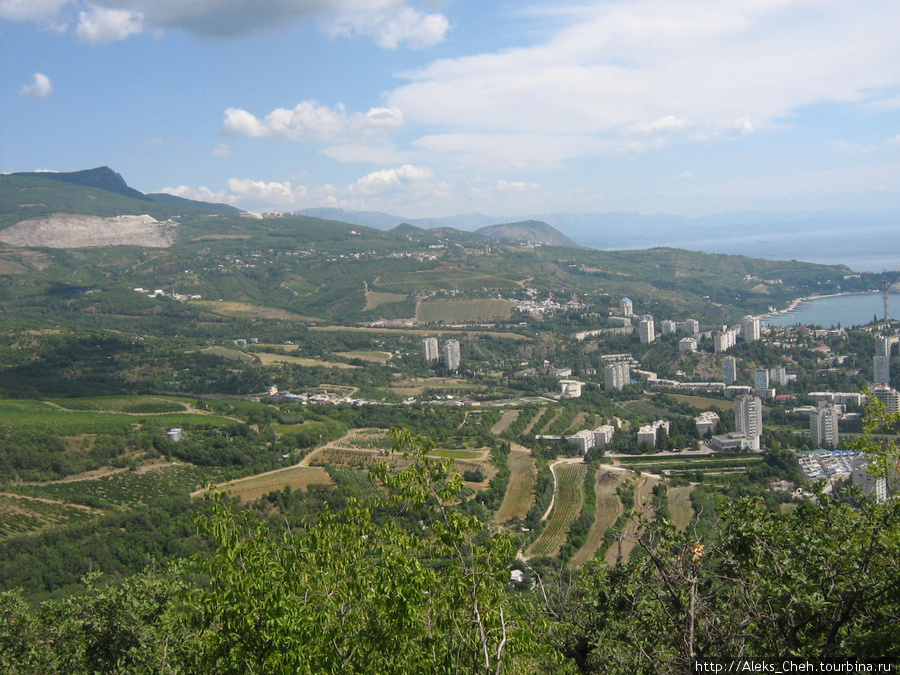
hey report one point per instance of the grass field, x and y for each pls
(680, 508)
(508, 417)
(268, 359)
(245, 310)
(567, 501)
(362, 355)
(254, 487)
(462, 311)
(520, 493)
(424, 332)
(376, 298)
(95, 415)
(607, 511)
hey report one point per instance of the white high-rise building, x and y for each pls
(748, 419)
(451, 354)
(669, 326)
(723, 341)
(430, 349)
(750, 328)
(882, 367)
(729, 370)
(890, 398)
(647, 330)
(627, 307)
(692, 326)
(779, 375)
(616, 375)
(823, 425)
(761, 379)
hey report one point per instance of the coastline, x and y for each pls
(799, 301)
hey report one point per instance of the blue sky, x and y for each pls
(434, 107)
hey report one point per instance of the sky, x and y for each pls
(424, 108)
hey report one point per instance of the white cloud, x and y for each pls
(30, 10)
(203, 194)
(352, 153)
(685, 175)
(845, 148)
(613, 71)
(310, 122)
(894, 141)
(100, 25)
(388, 22)
(516, 187)
(221, 150)
(391, 180)
(271, 193)
(40, 87)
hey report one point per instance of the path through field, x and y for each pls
(643, 506)
(508, 418)
(568, 497)
(520, 493)
(608, 510)
(680, 508)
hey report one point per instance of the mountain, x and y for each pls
(104, 178)
(528, 231)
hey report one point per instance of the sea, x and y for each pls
(855, 309)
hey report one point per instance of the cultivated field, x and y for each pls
(680, 508)
(608, 509)
(508, 418)
(268, 359)
(376, 298)
(567, 501)
(254, 487)
(245, 310)
(642, 507)
(373, 356)
(24, 515)
(520, 493)
(462, 311)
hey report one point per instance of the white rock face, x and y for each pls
(69, 231)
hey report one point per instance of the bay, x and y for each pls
(844, 310)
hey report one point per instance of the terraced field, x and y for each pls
(567, 501)
(24, 515)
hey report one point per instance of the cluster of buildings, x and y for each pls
(451, 356)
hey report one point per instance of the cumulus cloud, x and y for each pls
(388, 22)
(391, 180)
(203, 194)
(310, 122)
(40, 87)
(634, 75)
(100, 25)
(30, 10)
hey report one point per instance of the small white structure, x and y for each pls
(174, 434)
(570, 388)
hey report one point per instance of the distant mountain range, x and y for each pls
(862, 239)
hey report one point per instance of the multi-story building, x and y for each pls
(761, 380)
(750, 328)
(616, 375)
(646, 435)
(882, 367)
(669, 326)
(647, 330)
(748, 419)
(706, 422)
(823, 425)
(723, 341)
(779, 375)
(582, 441)
(451, 354)
(430, 349)
(627, 307)
(570, 388)
(880, 487)
(603, 435)
(687, 345)
(729, 370)
(691, 326)
(890, 398)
